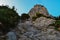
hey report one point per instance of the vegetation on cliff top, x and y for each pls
(57, 23)
(39, 15)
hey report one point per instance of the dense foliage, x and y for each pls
(24, 16)
(57, 23)
(57, 18)
(8, 17)
(40, 15)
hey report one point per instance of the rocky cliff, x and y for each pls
(38, 9)
(39, 29)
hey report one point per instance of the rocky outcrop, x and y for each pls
(28, 31)
(39, 29)
(43, 22)
(38, 9)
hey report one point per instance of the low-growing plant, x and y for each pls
(34, 18)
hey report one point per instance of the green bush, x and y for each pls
(24, 16)
(57, 18)
(34, 18)
(56, 24)
(8, 17)
(39, 15)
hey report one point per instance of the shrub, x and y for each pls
(39, 15)
(8, 17)
(57, 18)
(56, 24)
(24, 16)
(34, 18)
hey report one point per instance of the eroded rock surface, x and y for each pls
(40, 9)
(29, 31)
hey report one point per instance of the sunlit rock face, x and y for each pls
(29, 31)
(43, 22)
(40, 9)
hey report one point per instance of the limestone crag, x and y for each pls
(40, 9)
(39, 29)
(28, 31)
(43, 22)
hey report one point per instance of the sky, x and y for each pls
(23, 6)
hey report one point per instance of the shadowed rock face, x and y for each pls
(40, 9)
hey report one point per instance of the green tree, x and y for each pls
(24, 16)
(57, 18)
(8, 17)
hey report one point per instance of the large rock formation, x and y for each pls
(38, 9)
(40, 29)
(28, 31)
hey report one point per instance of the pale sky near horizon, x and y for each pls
(23, 6)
